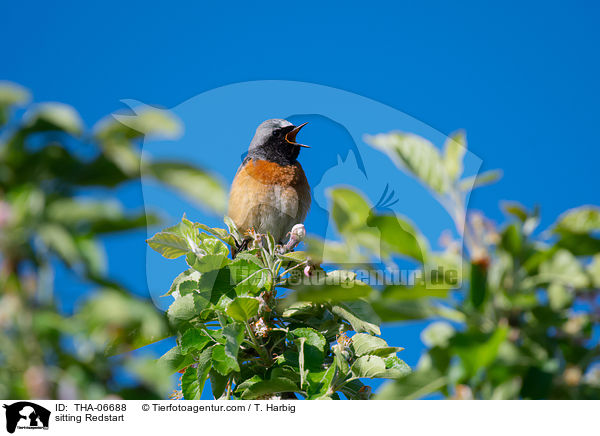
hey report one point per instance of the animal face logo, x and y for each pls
(26, 415)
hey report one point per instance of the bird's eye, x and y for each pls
(277, 133)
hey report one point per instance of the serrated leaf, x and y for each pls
(198, 185)
(222, 362)
(224, 357)
(269, 387)
(349, 210)
(483, 179)
(248, 275)
(194, 339)
(416, 155)
(218, 384)
(295, 256)
(214, 255)
(174, 360)
(368, 366)
(222, 234)
(564, 268)
(414, 386)
(187, 275)
(243, 308)
(192, 381)
(360, 315)
(398, 237)
(186, 307)
(395, 368)
(454, 152)
(437, 334)
(53, 116)
(170, 245)
(313, 346)
(585, 219)
(559, 296)
(335, 286)
(13, 94)
(363, 344)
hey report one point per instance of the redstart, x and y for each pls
(270, 192)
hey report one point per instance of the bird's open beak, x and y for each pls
(291, 136)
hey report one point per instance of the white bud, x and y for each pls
(299, 231)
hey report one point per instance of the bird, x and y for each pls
(270, 192)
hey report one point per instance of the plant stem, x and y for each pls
(257, 346)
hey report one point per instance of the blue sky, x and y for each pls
(521, 79)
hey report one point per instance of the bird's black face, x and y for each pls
(275, 140)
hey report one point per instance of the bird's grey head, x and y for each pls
(275, 140)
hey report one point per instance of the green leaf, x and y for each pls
(295, 256)
(478, 285)
(222, 234)
(241, 387)
(269, 387)
(413, 386)
(594, 271)
(360, 315)
(390, 310)
(563, 268)
(218, 384)
(13, 94)
(192, 381)
(584, 219)
(233, 230)
(516, 209)
(368, 367)
(223, 363)
(197, 184)
(224, 357)
(415, 154)
(335, 286)
(398, 236)
(363, 344)
(355, 390)
(512, 240)
(249, 276)
(454, 152)
(61, 241)
(476, 350)
(169, 244)
(149, 122)
(437, 334)
(395, 368)
(186, 307)
(349, 210)
(189, 275)
(314, 346)
(580, 244)
(559, 296)
(194, 339)
(174, 360)
(243, 308)
(483, 179)
(320, 383)
(211, 255)
(53, 116)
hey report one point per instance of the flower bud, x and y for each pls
(296, 235)
(299, 231)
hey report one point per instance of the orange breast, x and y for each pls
(269, 197)
(271, 173)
